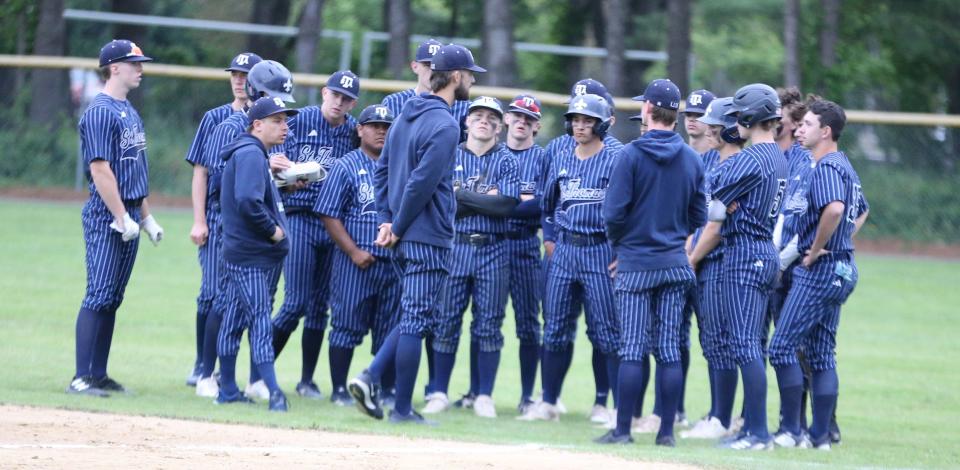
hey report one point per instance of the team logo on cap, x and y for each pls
(346, 81)
(279, 102)
(243, 59)
(696, 100)
(287, 86)
(580, 90)
(381, 111)
(134, 50)
(433, 48)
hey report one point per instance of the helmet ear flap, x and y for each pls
(600, 128)
(568, 127)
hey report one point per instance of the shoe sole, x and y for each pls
(362, 399)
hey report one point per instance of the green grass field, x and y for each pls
(899, 405)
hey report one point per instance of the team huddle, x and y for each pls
(396, 221)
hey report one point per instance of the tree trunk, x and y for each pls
(50, 88)
(828, 36)
(678, 43)
(311, 22)
(398, 55)
(499, 56)
(271, 12)
(791, 22)
(616, 13)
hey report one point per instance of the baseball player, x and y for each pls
(206, 206)
(526, 267)
(113, 144)
(254, 246)
(756, 181)
(365, 294)
(487, 189)
(706, 256)
(835, 210)
(573, 193)
(266, 78)
(560, 145)
(654, 201)
(324, 134)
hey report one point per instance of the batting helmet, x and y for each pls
(591, 105)
(270, 78)
(716, 115)
(755, 103)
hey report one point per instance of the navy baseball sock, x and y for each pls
(474, 367)
(755, 397)
(310, 345)
(712, 379)
(684, 366)
(442, 370)
(552, 374)
(86, 337)
(228, 376)
(269, 376)
(388, 380)
(567, 360)
(210, 333)
(790, 381)
(826, 386)
(340, 359)
(487, 364)
(601, 380)
(431, 367)
(408, 361)
(644, 382)
(529, 358)
(101, 348)
(726, 394)
(670, 376)
(280, 338)
(630, 386)
(254, 372)
(200, 326)
(612, 364)
(385, 356)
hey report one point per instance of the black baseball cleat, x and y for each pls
(465, 401)
(666, 441)
(611, 437)
(413, 418)
(388, 398)
(309, 390)
(278, 401)
(525, 404)
(236, 398)
(195, 374)
(86, 385)
(834, 431)
(110, 385)
(341, 397)
(364, 393)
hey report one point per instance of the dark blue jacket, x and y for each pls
(251, 206)
(414, 176)
(654, 201)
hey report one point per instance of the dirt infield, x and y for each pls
(38, 437)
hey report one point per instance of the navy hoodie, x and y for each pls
(654, 201)
(251, 206)
(414, 176)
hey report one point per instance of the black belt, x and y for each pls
(478, 239)
(520, 234)
(582, 239)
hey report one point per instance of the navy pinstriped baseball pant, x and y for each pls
(362, 300)
(250, 291)
(306, 274)
(526, 287)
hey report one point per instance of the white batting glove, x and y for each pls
(153, 229)
(130, 230)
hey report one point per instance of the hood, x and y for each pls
(242, 140)
(661, 146)
(420, 104)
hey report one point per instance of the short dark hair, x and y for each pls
(791, 100)
(104, 72)
(663, 115)
(769, 124)
(831, 115)
(440, 80)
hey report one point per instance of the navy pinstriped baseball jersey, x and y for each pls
(315, 140)
(497, 169)
(208, 123)
(798, 157)
(834, 179)
(563, 144)
(395, 101)
(348, 195)
(112, 130)
(530, 165)
(795, 204)
(711, 171)
(756, 179)
(223, 134)
(575, 189)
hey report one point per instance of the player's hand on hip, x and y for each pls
(199, 233)
(153, 229)
(812, 257)
(362, 258)
(691, 261)
(278, 235)
(279, 162)
(732, 208)
(548, 247)
(129, 229)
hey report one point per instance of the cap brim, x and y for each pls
(136, 58)
(695, 110)
(476, 68)
(371, 121)
(525, 111)
(498, 111)
(639, 98)
(710, 121)
(236, 69)
(638, 117)
(288, 112)
(343, 92)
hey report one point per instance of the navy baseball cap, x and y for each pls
(589, 86)
(375, 113)
(121, 50)
(487, 102)
(698, 101)
(427, 49)
(454, 57)
(526, 104)
(661, 92)
(268, 106)
(243, 62)
(345, 82)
